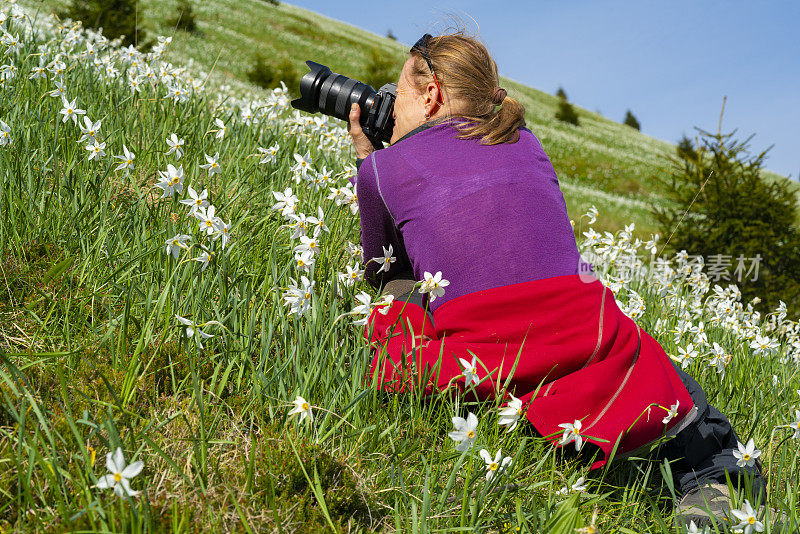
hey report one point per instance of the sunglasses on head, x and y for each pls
(421, 47)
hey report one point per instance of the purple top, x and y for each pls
(485, 215)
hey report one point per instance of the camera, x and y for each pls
(332, 94)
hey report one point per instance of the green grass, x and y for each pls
(601, 153)
(93, 358)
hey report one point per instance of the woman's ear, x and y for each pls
(432, 97)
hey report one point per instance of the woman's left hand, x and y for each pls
(361, 142)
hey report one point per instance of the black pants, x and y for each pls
(704, 449)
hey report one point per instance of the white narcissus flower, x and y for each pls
(692, 528)
(287, 201)
(127, 158)
(5, 134)
(796, 424)
(686, 355)
(175, 145)
(302, 407)
(386, 260)
(302, 166)
(223, 232)
(433, 285)
(510, 414)
(176, 243)
(304, 260)
(89, 130)
(211, 164)
(120, 474)
(209, 222)
(579, 486)
(195, 201)
(192, 327)
(269, 155)
(465, 432)
(299, 297)
(318, 222)
(96, 150)
(764, 345)
(307, 244)
(747, 519)
(470, 370)
(364, 309)
(591, 214)
(494, 465)
(672, 412)
(59, 91)
(221, 128)
(351, 276)
(171, 180)
(205, 258)
(746, 454)
(386, 303)
(299, 226)
(70, 110)
(572, 432)
(719, 358)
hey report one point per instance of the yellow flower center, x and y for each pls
(493, 466)
(519, 411)
(300, 263)
(746, 457)
(129, 161)
(117, 477)
(69, 111)
(198, 202)
(209, 223)
(471, 434)
(176, 180)
(751, 520)
(308, 295)
(312, 245)
(305, 406)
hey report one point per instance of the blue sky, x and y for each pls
(671, 62)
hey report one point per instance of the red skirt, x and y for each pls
(570, 352)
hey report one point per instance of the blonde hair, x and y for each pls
(468, 74)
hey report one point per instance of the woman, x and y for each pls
(464, 188)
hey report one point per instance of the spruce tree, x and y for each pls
(631, 121)
(721, 208)
(566, 112)
(685, 149)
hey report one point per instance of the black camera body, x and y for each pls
(332, 94)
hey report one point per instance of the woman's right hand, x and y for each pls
(361, 142)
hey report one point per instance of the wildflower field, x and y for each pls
(181, 311)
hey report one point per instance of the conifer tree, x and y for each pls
(631, 121)
(723, 210)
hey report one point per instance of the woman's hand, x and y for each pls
(361, 142)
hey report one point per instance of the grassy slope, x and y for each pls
(600, 154)
(106, 363)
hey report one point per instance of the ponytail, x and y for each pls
(468, 75)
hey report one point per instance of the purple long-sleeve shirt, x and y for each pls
(484, 215)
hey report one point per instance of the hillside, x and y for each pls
(599, 155)
(183, 344)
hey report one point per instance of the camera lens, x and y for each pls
(332, 94)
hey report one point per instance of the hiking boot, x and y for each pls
(708, 504)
